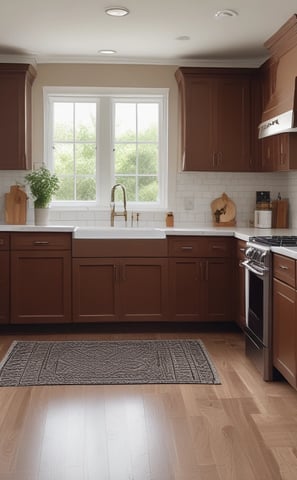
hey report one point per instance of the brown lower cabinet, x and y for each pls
(200, 287)
(284, 318)
(40, 278)
(119, 289)
(119, 280)
(4, 278)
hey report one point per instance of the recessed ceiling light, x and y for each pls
(183, 37)
(226, 13)
(107, 52)
(117, 11)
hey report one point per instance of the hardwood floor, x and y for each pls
(244, 429)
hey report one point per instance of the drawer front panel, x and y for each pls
(284, 269)
(41, 241)
(200, 246)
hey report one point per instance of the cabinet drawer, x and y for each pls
(200, 246)
(284, 269)
(240, 249)
(41, 241)
(4, 241)
(184, 246)
(216, 246)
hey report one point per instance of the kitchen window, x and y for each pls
(95, 138)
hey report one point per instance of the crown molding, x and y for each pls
(182, 62)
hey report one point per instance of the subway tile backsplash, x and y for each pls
(191, 200)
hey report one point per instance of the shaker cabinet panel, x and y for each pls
(285, 331)
(15, 118)
(216, 119)
(120, 289)
(40, 287)
(95, 290)
(185, 290)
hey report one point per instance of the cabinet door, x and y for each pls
(185, 290)
(40, 287)
(233, 124)
(216, 119)
(284, 330)
(15, 119)
(96, 289)
(198, 124)
(143, 289)
(4, 287)
(267, 154)
(218, 284)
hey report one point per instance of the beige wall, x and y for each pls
(93, 75)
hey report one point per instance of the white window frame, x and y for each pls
(104, 155)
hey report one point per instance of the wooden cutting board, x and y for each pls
(16, 206)
(280, 213)
(223, 211)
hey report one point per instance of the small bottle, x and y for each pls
(169, 219)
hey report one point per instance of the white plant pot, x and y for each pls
(41, 216)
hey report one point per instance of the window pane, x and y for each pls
(148, 189)
(85, 159)
(85, 122)
(130, 184)
(125, 122)
(63, 121)
(148, 119)
(66, 190)
(147, 159)
(63, 158)
(85, 188)
(125, 158)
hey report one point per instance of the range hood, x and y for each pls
(285, 122)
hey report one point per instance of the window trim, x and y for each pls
(105, 167)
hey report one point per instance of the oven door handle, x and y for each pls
(247, 265)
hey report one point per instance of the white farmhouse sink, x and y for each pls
(119, 232)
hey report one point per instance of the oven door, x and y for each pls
(258, 341)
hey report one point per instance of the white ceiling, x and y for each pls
(74, 30)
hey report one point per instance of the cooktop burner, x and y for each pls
(276, 240)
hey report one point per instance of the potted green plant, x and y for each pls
(43, 185)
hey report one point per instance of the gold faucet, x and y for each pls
(112, 204)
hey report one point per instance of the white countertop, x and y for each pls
(241, 233)
(36, 228)
(287, 251)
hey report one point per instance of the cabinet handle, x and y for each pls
(242, 249)
(187, 247)
(41, 242)
(283, 267)
(116, 273)
(220, 158)
(214, 160)
(218, 247)
(206, 271)
(123, 273)
(201, 271)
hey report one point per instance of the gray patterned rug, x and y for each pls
(107, 363)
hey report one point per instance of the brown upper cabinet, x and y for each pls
(279, 152)
(15, 119)
(217, 118)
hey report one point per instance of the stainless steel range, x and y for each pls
(258, 298)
